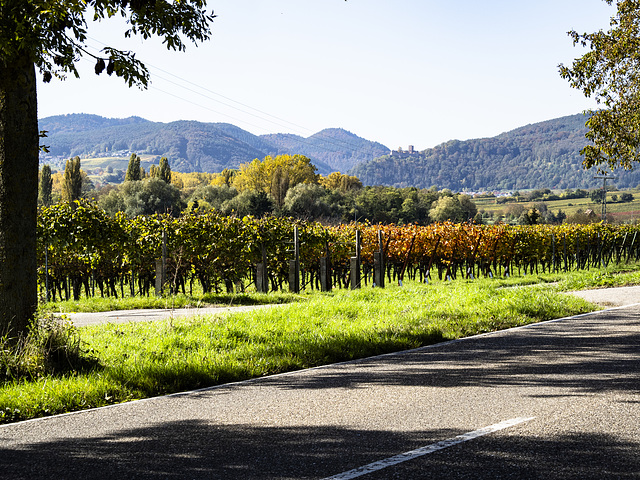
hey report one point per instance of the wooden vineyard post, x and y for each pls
(553, 253)
(630, 248)
(325, 270)
(262, 276)
(378, 263)
(355, 265)
(294, 264)
(161, 266)
(46, 272)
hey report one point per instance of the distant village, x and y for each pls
(58, 161)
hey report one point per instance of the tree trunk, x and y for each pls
(19, 147)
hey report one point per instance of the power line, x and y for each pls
(338, 143)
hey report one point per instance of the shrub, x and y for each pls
(52, 347)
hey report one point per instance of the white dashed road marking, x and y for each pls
(404, 457)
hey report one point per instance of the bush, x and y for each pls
(626, 197)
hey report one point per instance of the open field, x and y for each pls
(130, 361)
(620, 211)
(116, 163)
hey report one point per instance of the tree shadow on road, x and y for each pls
(196, 449)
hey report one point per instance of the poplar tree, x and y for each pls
(45, 186)
(133, 169)
(72, 186)
(164, 171)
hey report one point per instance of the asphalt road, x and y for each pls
(83, 319)
(573, 385)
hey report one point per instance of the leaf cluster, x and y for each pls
(610, 73)
(53, 33)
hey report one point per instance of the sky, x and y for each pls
(400, 72)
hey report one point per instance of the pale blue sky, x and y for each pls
(400, 72)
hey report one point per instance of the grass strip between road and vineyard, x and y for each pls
(140, 360)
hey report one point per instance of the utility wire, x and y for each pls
(261, 115)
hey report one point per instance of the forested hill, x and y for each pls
(541, 155)
(196, 146)
(339, 148)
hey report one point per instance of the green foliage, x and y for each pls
(307, 201)
(626, 197)
(143, 197)
(134, 171)
(249, 202)
(214, 196)
(45, 186)
(596, 196)
(72, 187)
(164, 171)
(609, 73)
(446, 208)
(52, 348)
(53, 34)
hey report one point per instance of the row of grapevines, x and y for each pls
(83, 249)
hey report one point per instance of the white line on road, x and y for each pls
(404, 457)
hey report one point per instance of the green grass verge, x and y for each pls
(140, 360)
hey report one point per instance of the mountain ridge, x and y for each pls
(197, 146)
(539, 155)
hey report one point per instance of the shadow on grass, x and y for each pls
(200, 449)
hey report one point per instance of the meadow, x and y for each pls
(620, 212)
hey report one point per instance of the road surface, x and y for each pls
(555, 400)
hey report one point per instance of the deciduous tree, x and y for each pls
(164, 170)
(72, 186)
(275, 173)
(134, 171)
(45, 186)
(49, 35)
(610, 73)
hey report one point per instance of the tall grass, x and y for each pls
(52, 347)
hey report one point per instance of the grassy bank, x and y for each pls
(146, 359)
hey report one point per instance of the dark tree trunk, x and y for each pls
(19, 147)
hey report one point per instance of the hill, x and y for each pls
(339, 148)
(197, 146)
(540, 155)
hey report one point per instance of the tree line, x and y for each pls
(283, 185)
(289, 186)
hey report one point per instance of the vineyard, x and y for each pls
(83, 251)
